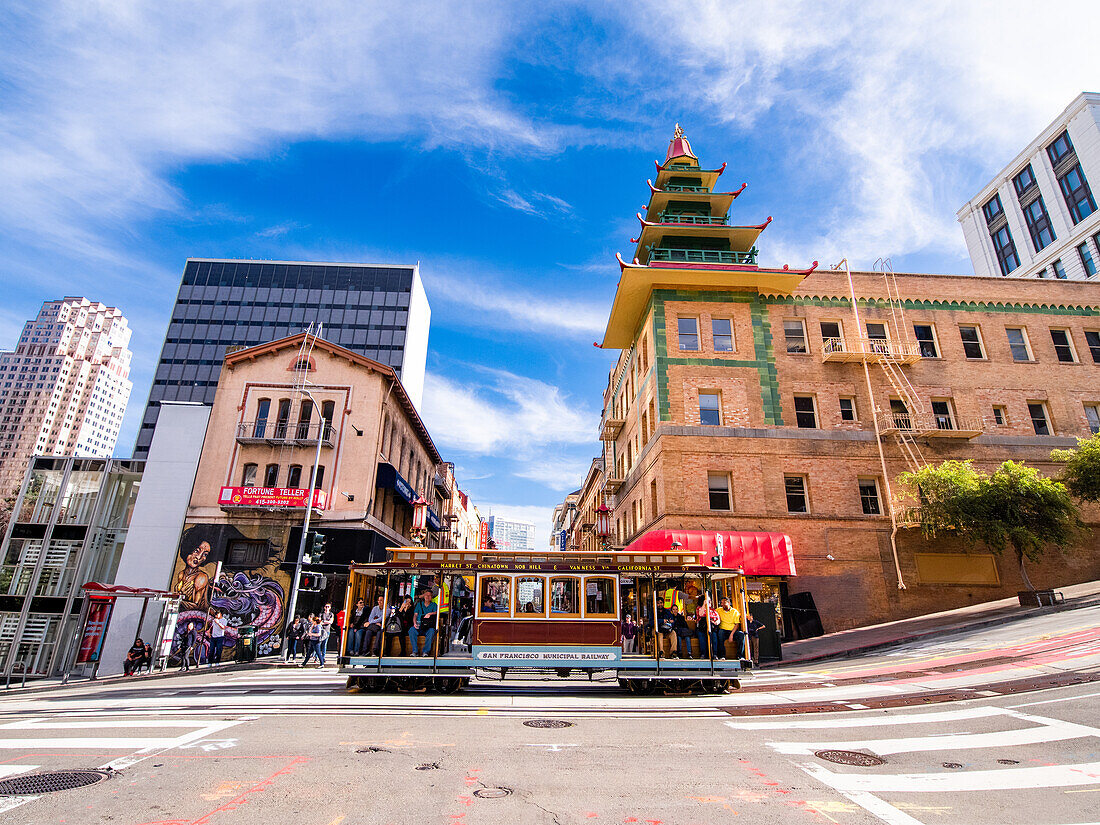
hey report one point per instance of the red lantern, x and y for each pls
(603, 521)
(420, 514)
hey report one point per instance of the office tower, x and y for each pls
(1037, 218)
(63, 391)
(374, 310)
(512, 535)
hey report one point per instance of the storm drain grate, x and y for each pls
(52, 782)
(548, 723)
(492, 793)
(861, 760)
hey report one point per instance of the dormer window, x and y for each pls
(303, 365)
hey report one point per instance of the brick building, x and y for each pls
(756, 399)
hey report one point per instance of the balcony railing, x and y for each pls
(284, 432)
(693, 219)
(610, 429)
(684, 187)
(927, 425)
(704, 256)
(612, 484)
(872, 350)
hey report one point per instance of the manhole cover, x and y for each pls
(39, 783)
(548, 723)
(862, 760)
(952, 765)
(492, 793)
(428, 766)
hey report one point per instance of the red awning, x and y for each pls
(758, 554)
(93, 588)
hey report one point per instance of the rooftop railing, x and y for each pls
(693, 219)
(707, 256)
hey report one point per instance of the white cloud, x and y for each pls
(558, 472)
(885, 102)
(509, 413)
(539, 204)
(104, 101)
(280, 229)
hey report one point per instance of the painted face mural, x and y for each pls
(193, 579)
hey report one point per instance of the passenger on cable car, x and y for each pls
(400, 629)
(629, 632)
(423, 623)
(665, 631)
(706, 633)
(683, 632)
(729, 617)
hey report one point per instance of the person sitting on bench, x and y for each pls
(136, 658)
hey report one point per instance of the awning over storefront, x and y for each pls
(758, 554)
(389, 478)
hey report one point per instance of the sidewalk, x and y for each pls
(39, 684)
(890, 634)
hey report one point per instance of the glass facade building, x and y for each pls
(69, 527)
(375, 310)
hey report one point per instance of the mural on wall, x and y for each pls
(252, 596)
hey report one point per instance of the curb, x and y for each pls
(120, 679)
(950, 630)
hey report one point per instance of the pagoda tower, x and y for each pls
(687, 241)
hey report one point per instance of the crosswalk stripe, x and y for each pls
(105, 743)
(1045, 776)
(12, 770)
(1051, 731)
(872, 721)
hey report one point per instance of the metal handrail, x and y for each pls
(873, 346)
(716, 256)
(693, 219)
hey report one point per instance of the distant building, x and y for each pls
(63, 391)
(512, 535)
(375, 310)
(1037, 218)
(563, 523)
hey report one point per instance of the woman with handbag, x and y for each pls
(398, 624)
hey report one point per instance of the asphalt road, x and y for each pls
(957, 732)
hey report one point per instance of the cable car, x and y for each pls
(551, 613)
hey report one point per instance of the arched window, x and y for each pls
(294, 477)
(319, 483)
(271, 475)
(328, 410)
(248, 476)
(305, 413)
(302, 365)
(282, 418)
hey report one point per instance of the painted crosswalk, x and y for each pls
(960, 738)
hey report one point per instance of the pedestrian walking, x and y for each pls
(327, 618)
(754, 628)
(314, 641)
(295, 632)
(189, 644)
(217, 637)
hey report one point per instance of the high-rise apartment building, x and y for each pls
(512, 535)
(374, 310)
(1037, 218)
(63, 390)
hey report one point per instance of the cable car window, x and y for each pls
(496, 593)
(599, 596)
(530, 596)
(564, 599)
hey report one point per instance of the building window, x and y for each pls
(1018, 343)
(687, 333)
(1042, 273)
(263, 408)
(319, 481)
(847, 409)
(718, 488)
(1000, 415)
(1092, 338)
(868, 497)
(1024, 181)
(271, 475)
(722, 330)
(832, 340)
(795, 334)
(993, 209)
(1039, 418)
(1038, 223)
(1087, 260)
(805, 414)
(294, 477)
(1092, 416)
(248, 476)
(795, 489)
(282, 418)
(876, 332)
(900, 413)
(1061, 147)
(972, 342)
(247, 554)
(941, 412)
(305, 413)
(926, 340)
(1059, 270)
(710, 410)
(1075, 189)
(1005, 249)
(1063, 346)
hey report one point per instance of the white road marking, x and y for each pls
(50, 724)
(12, 770)
(873, 721)
(1052, 701)
(880, 808)
(1049, 730)
(179, 741)
(1046, 776)
(105, 743)
(9, 802)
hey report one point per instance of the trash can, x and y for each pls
(246, 643)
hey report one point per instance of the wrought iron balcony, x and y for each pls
(871, 350)
(692, 218)
(282, 433)
(704, 256)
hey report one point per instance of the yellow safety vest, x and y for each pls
(673, 596)
(443, 598)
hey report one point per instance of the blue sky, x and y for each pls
(506, 148)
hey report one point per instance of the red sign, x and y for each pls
(270, 497)
(95, 630)
(483, 536)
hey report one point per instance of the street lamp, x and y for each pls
(420, 520)
(309, 511)
(603, 524)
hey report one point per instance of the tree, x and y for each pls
(1082, 472)
(1014, 507)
